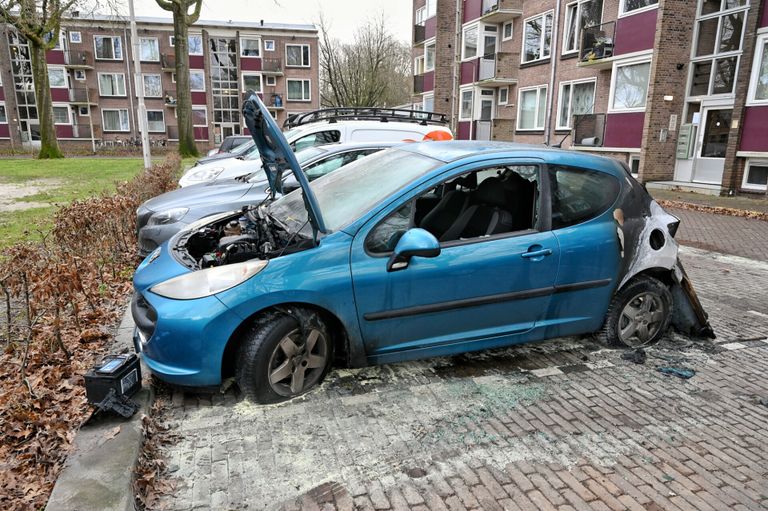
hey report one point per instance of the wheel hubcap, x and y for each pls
(296, 363)
(641, 319)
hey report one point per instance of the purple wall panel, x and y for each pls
(59, 94)
(754, 136)
(55, 57)
(250, 64)
(430, 27)
(429, 81)
(198, 62)
(201, 133)
(764, 21)
(624, 130)
(469, 70)
(635, 33)
(2, 94)
(5, 131)
(64, 131)
(198, 98)
(472, 10)
(463, 130)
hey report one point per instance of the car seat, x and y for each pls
(487, 214)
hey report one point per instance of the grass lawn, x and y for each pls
(60, 182)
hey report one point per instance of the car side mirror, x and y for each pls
(414, 243)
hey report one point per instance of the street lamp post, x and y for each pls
(139, 87)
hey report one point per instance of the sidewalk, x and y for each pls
(758, 205)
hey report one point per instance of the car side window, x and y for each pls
(487, 202)
(579, 194)
(314, 139)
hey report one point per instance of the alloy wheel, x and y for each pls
(641, 319)
(297, 362)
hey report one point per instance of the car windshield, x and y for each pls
(348, 193)
(304, 156)
(242, 148)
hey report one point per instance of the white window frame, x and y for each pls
(111, 37)
(269, 45)
(430, 12)
(69, 114)
(150, 130)
(623, 12)
(579, 31)
(471, 90)
(144, 86)
(418, 65)
(543, 16)
(196, 71)
(80, 72)
(5, 113)
(611, 96)
(301, 45)
(245, 74)
(504, 31)
(80, 111)
(506, 99)
(201, 109)
(104, 124)
(171, 41)
(270, 81)
(464, 30)
(572, 83)
(258, 49)
(538, 89)
(760, 44)
(420, 16)
(75, 39)
(158, 49)
(424, 97)
(305, 100)
(428, 44)
(747, 186)
(63, 71)
(125, 90)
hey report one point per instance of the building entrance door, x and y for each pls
(709, 158)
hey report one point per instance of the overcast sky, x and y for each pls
(344, 16)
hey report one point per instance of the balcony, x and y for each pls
(597, 45)
(589, 130)
(272, 67)
(173, 132)
(83, 96)
(78, 59)
(419, 33)
(482, 130)
(171, 99)
(81, 131)
(501, 11)
(418, 84)
(168, 63)
(498, 69)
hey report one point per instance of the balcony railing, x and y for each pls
(482, 130)
(490, 67)
(82, 95)
(589, 130)
(274, 66)
(168, 62)
(81, 131)
(597, 42)
(173, 132)
(78, 59)
(418, 84)
(170, 97)
(498, 11)
(419, 33)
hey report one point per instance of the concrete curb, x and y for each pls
(98, 473)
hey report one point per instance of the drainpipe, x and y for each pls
(456, 65)
(553, 68)
(128, 81)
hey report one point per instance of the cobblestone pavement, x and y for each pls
(750, 203)
(563, 425)
(745, 237)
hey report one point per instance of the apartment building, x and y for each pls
(95, 95)
(678, 89)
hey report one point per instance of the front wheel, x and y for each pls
(280, 358)
(639, 314)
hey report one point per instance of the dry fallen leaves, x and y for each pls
(718, 210)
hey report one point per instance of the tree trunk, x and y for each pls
(187, 146)
(49, 144)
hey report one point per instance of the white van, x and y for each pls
(331, 126)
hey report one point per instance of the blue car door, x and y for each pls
(478, 293)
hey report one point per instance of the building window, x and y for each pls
(537, 37)
(271, 81)
(420, 16)
(115, 120)
(532, 108)
(3, 116)
(155, 121)
(428, 104)
(467, 98)
(252, 82)
(431, 9)
(758, 84)
(298, 90)
(629, 87)
(149, 51)
(269, 45)
(756, 175)
(250, 47)
(111, 84)
(634, 164)
(507, 31)
(576, 98)
(503, 95)
(418, 65)
(195, 43)
(429, 57)
(153, 86)
(108, 47)
(61, 115)
(469, 48)
(75, 37)
(196, 80)
(57, 77)
(297, 55)
(82, 111)
(79, 75)
(578, 16)
(630, 6)
(199, 117)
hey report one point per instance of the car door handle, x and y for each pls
(537, 253)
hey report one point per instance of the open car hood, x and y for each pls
(277, 156)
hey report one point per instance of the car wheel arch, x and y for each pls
(338, 332)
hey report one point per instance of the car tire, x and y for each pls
(282, 357)
(639, 314)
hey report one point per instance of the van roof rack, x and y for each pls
(365, 114)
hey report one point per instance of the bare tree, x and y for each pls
(39, 22)
(182, 19)
(373, 70)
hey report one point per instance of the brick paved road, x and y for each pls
(562, 425)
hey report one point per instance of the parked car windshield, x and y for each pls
(302, 156)
(242, 148)
(350, 192)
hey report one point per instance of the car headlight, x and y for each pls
(203, 175)
(169, 216)
(209, 281)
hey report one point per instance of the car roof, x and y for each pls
(350, 146)
(379, 125)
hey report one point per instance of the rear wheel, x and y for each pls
(639, 314)
(280, 359)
